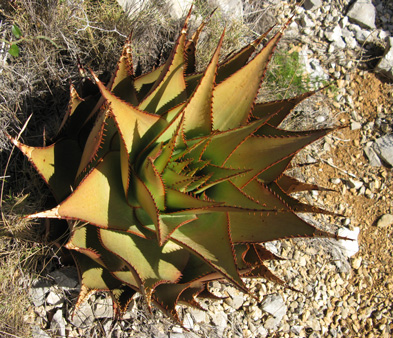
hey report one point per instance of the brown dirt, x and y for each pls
(373, 282)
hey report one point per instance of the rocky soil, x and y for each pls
(344, 287)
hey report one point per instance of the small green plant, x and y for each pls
(14, 49)
(174, 178)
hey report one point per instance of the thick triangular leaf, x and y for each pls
(290, 184)
(121, 297)
(167, 296)
(237, 61)
(57, 164)
(99, 200)
(170, 85)
(229, 194)
(209, 237)
(153, 264)
(282, 107)
(132, 125)
(235, 96)
(176, 200)
(269, 226)
(148, 79)
(223, 144)
(198, 110)
(294, 204)
(259, 153)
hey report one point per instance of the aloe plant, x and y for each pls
(175, 178)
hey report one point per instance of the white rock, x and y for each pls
(198, 315)
(66, 278)
(356, 262)
(103, 308)
(188, 323)
(384, 148)
(363, 35)
(274, 304)
(363, 13)
(352, 183)
(58, 324)
(54, 298)
(335, 180)
(334, 34)
(385, 66)
(356, 125)
(305, 21)
(220, 320)
(38, 291)
(231, 8)
(84, 316)
(348, 247)
(385, 221)
(372, 156)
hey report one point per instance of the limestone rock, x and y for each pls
(384, 148)
(385, 66)
(363, 13)
(385, 221)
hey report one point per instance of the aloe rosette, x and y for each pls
(175, 178)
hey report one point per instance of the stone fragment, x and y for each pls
(372, 156)
(198, 315)
(363, 35)
(334, 35)
(38, 291)
(54, 298)
(384, 148)
(274, 304)
(385, 66)
(58, 324)
(84, 316)
(363, 13)
(385, 221)
(312, 4)
(235, 299)
(335, 180)
(352, 183)
(103, 308)
(350, 246)
(220, 320)
(356, 262)
(66, 278)
(356, 125)
(37, 332)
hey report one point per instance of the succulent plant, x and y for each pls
(175, 178)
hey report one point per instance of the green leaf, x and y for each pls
(14, 50)
(234, 97)
(282, 108)
(209, 237)
(99, 200)
(198, 110)
(259, 153)
(260, 227)
(170, 85)
(16, 31)
(153, 264)
(57, 164)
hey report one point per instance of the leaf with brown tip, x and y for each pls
(210, 238)
(235, 96)
(198, 110)
(57, 164)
